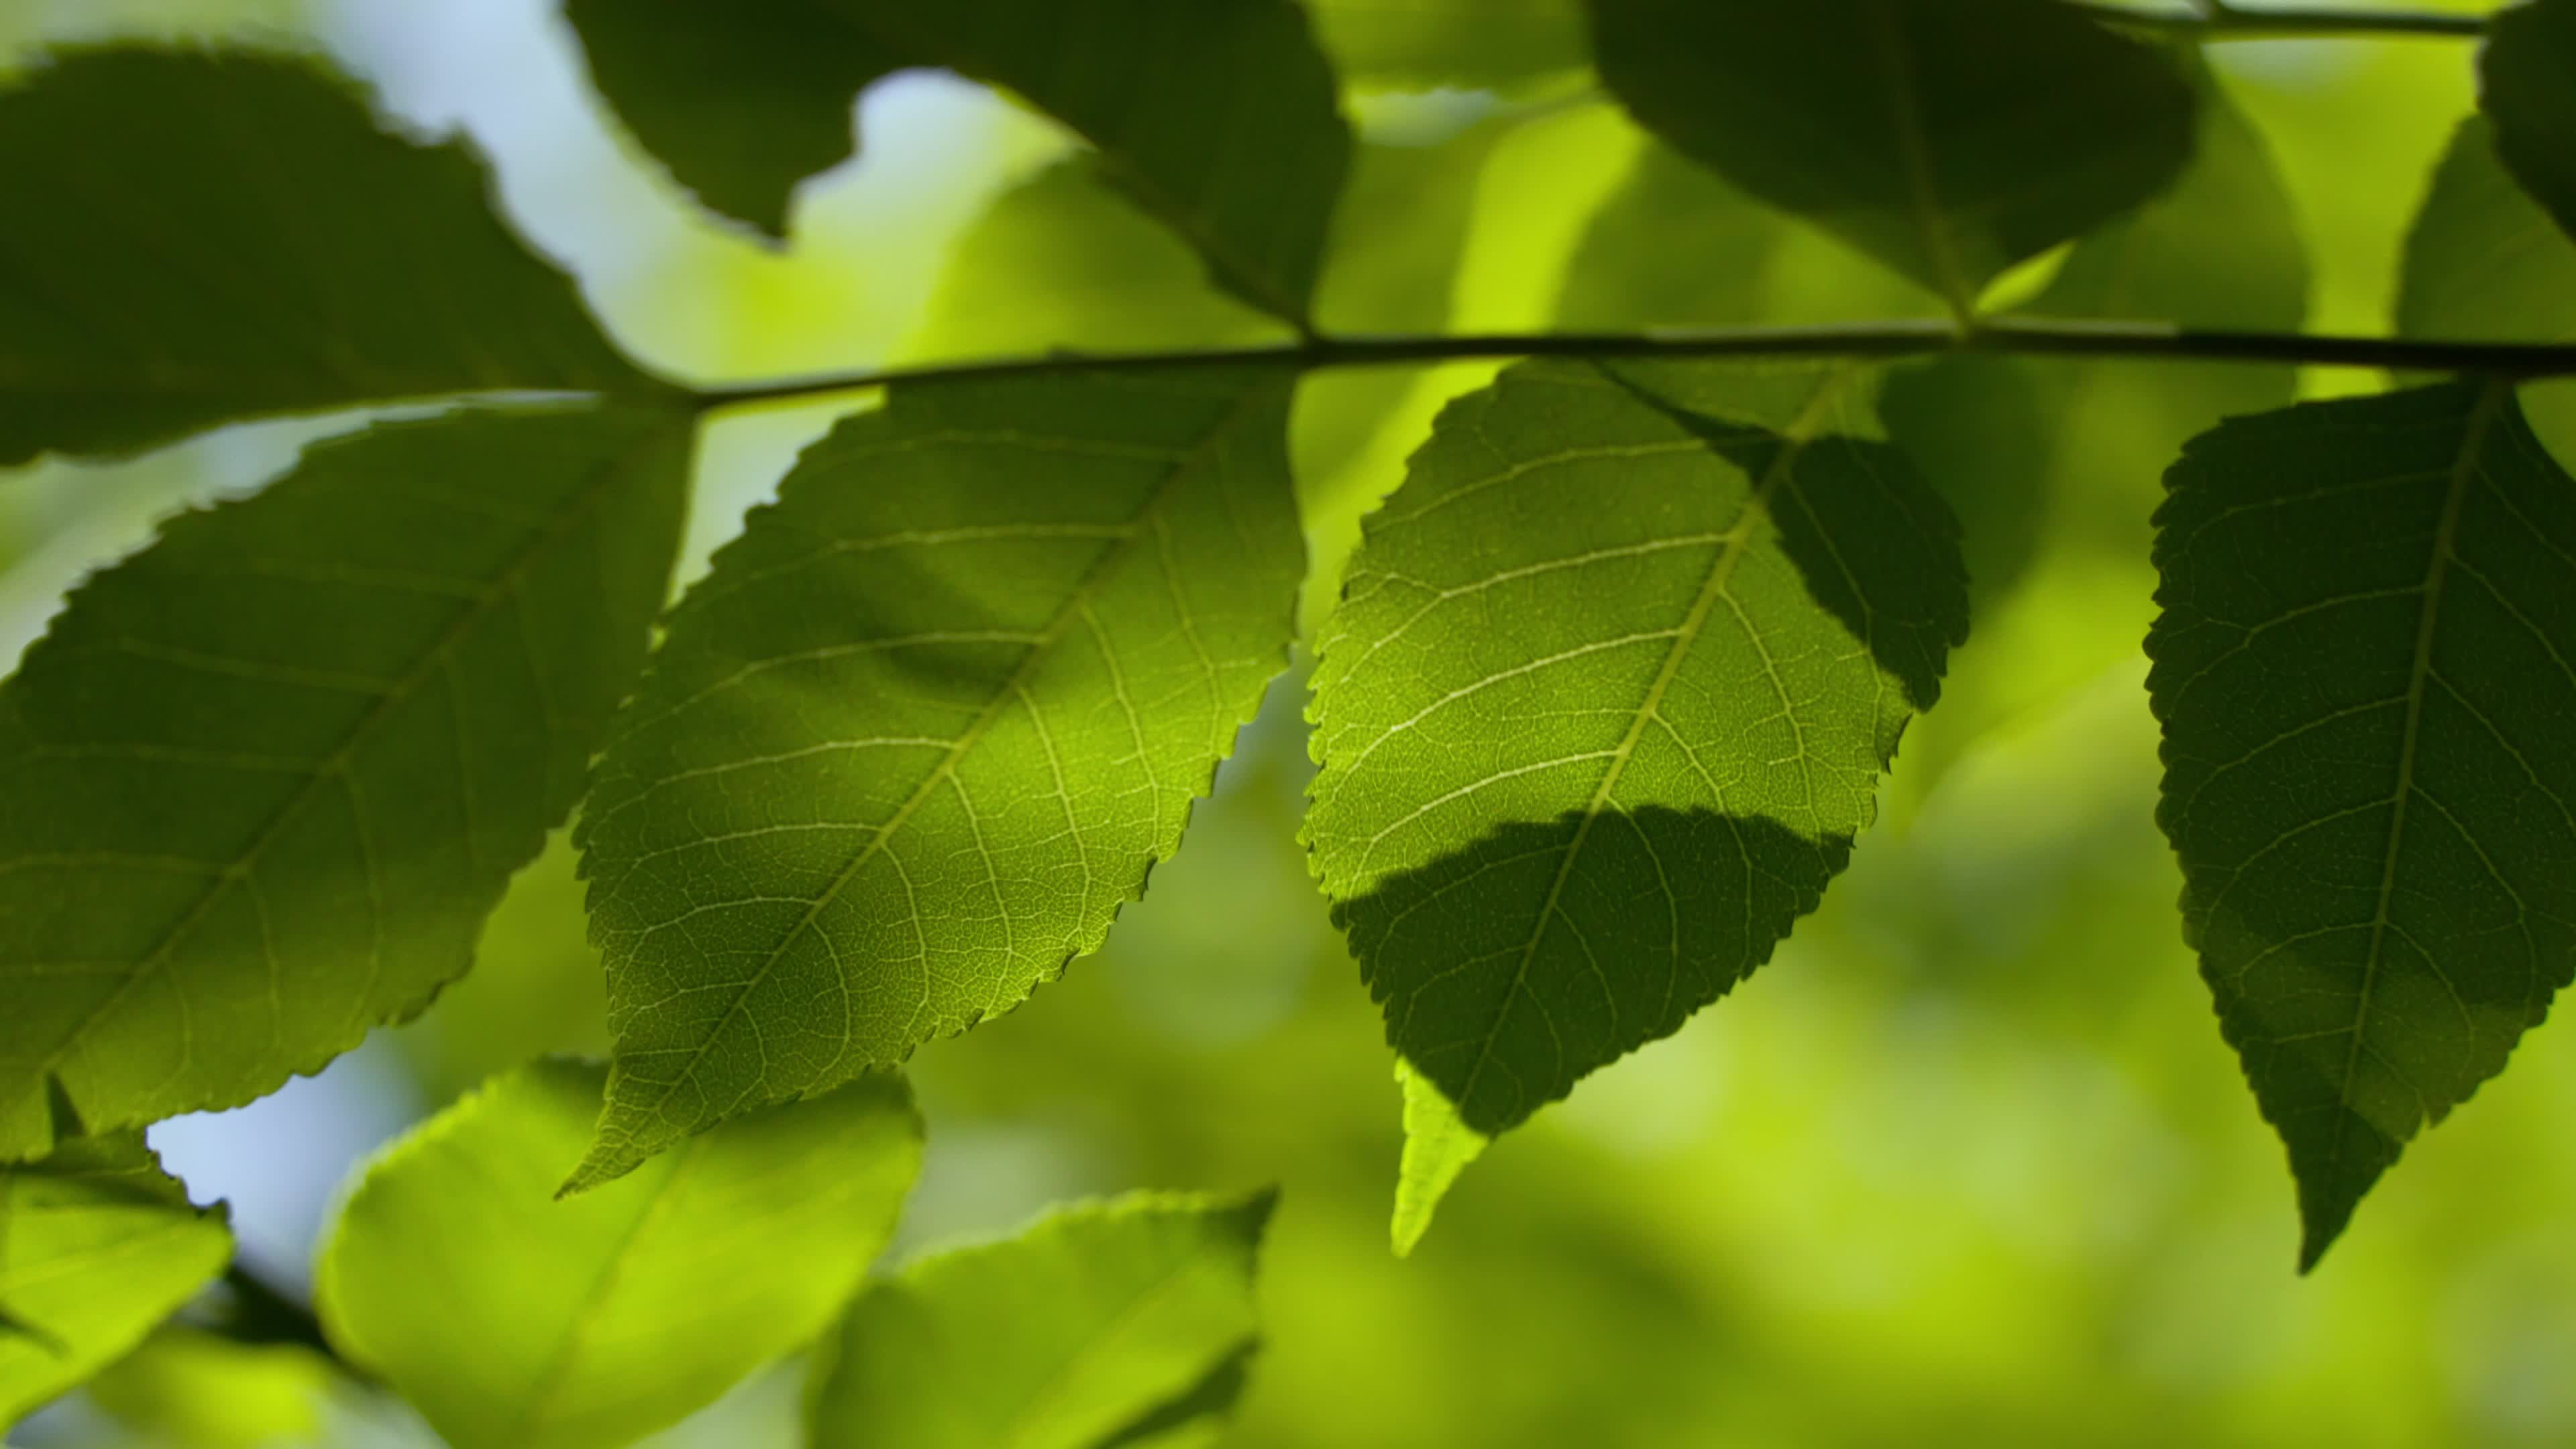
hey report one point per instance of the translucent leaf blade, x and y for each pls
(1605, 703)
(202, 237)
(1125, 1323)
(1465, 44)
(925, 727)
(265, 778)
(596, 1321)
(2362, 671)
(1218, 116)
(1948, 139)
(96, 1247)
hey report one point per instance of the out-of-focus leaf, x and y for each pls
(1218, 116)
(97, 1246)
(2483, 263)
(1105, 1326)
(187, 1387)
(513, 1321)
(926, 726)
(1475, 44)
(2527, 87)
(2370, 757)
(1949, 140)
(265, 778)
(1605, 704)
(197, 237)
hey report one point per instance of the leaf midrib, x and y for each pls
(1913, 151)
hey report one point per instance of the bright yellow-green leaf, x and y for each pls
(514, 1321)
(188, 1387)
(1474, 44)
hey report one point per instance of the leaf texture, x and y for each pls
(1218, 116)
(926, 725)
(265, 779)
(2370, 757)
(1125, 1324)
(1605, 702)
(1947, 138)
(592, 1323)
(96, 1247)
(196, 238)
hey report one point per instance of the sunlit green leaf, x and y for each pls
(925, 727)
(96, 1247)
(1605, 703)
(2527, 87)
(1106, 1326)
(2370, 757)
(1949, 140)
(1421, 44)
(184, 1386)
(198, 237)
(265, 778)
(513, 1321)
(1218, 116)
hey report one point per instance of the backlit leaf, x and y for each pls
(926, 725)
(1948, 138)
(1106, 1326)
(1604, 705)
(1471, 44)
(199, 237)
(2370, 757)
(2527, 87)
(265, 778)
(513, 1321)
(1218, 116)
(96, 1247)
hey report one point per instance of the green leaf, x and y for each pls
(2362, 670)
(188, 1387)
(96, 1247)
(1949, 139)
(1465, 44)
(1604, 705)
(2527, 87)
(1218, 116)
(925, 727)
(266, 778)
(1112, 1324)
(197, 237)
(562, 1325)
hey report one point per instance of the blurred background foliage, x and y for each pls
(1967, 1163)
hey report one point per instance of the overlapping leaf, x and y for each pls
(96, 1247)
(1124, 1324)
(1473, 44)
(1217, 115)
(1603, 707)
(2363, 670)
(2527, 87)
(195, 238)
(512, 1321)
(265, 778)
(926, 725)
(1947, 138)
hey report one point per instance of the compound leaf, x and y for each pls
(925, 726)
(2362, 670)
(265, 779)
(1217, 115)
(196, 238)
(1604, 705)
(1949, 139)
(96, 1247)
(566, 1325)
(1124, 1324)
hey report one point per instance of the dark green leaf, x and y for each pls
(1604, 706)
(2527, 87)
(1948, 138)
(265, 778)
(96, 1247)
(512, 1321)
(1105, 1326)
(195, 238)
(926, 725)
(1473, 44)
(1217, 115)
(2370, 757)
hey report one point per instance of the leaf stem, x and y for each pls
(1902, 337)
(2209, 21)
